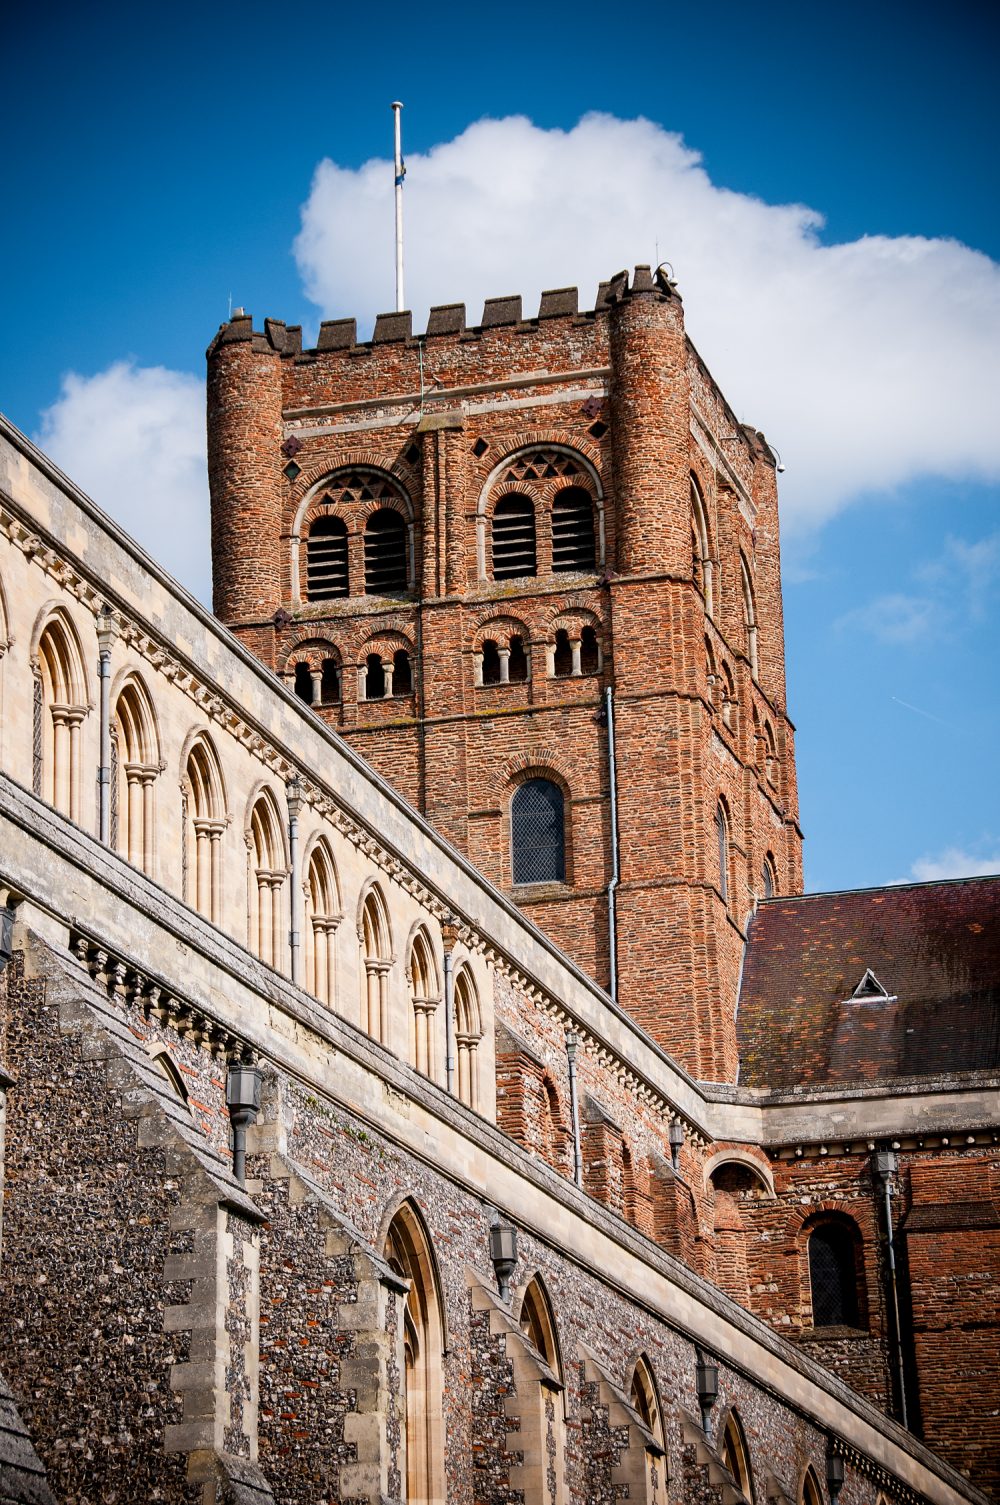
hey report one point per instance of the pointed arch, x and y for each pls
(769, 876)
(267, 873)
(135, 767)
(735, 1454)
(425, 996)
(322, 917)
(536, 1320)
(375, 940)
(810, 1493)
(644, 1397)
(701, 551)
(203, 811)
(749, 612)
(468, 1033)
(408, 1249)
(61, 703)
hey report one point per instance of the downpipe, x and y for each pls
(609, 717)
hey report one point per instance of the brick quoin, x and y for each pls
(438, 419)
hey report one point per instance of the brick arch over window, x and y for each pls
(385, 667)
(352, 495)
(408, 1249)
(501, 652)
(61, 704)
(314, 670)
(575, 644)
(540, 473)
(135, 757)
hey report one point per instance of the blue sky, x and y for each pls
(156, 166)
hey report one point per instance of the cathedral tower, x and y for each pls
(465, 548)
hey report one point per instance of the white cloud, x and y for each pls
(134, 439)
(897, 618)
(952, 863)
(867, 364)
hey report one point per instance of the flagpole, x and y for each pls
(399, 173)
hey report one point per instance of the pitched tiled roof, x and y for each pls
(934, 948)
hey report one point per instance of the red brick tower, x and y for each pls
(453, 546)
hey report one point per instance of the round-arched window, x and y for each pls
(538, 833)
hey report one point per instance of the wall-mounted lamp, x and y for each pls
(675, 1134)
(243, 1102)
(707, 1378)
(294, 795)
(503, 1253)
(834, 1471)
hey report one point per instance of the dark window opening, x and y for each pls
(326, 559)
(833, 1276)
(385, 553)
(329, 687)
(563, 661)
(304, 683)
(491, 662)
(479, 448)
(573, 531)
(590, 658)
(513, 538)
(402, 673)
(374, 678)
(517, 667)
(413, 454)
(538, 839)
(598, 429)
(769, 884)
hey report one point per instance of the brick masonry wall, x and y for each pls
(631, 396)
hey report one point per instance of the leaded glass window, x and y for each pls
(833, 1276)
(538, 835)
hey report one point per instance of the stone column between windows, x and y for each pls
(576, 649)
(504, 665)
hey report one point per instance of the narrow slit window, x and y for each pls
(513, 538)
(590, 657)
(573, 532)
(385, 553)
(326, 559)
(562, 663)
(722, 838)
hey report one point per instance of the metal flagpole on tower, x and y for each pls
(400, 175)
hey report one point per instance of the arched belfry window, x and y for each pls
(385, 553)
(513, 538)
(326, 559)
(408, 1251)
(833, 1274)
(538, 833)
(573, 544)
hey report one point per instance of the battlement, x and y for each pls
(446, 319)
